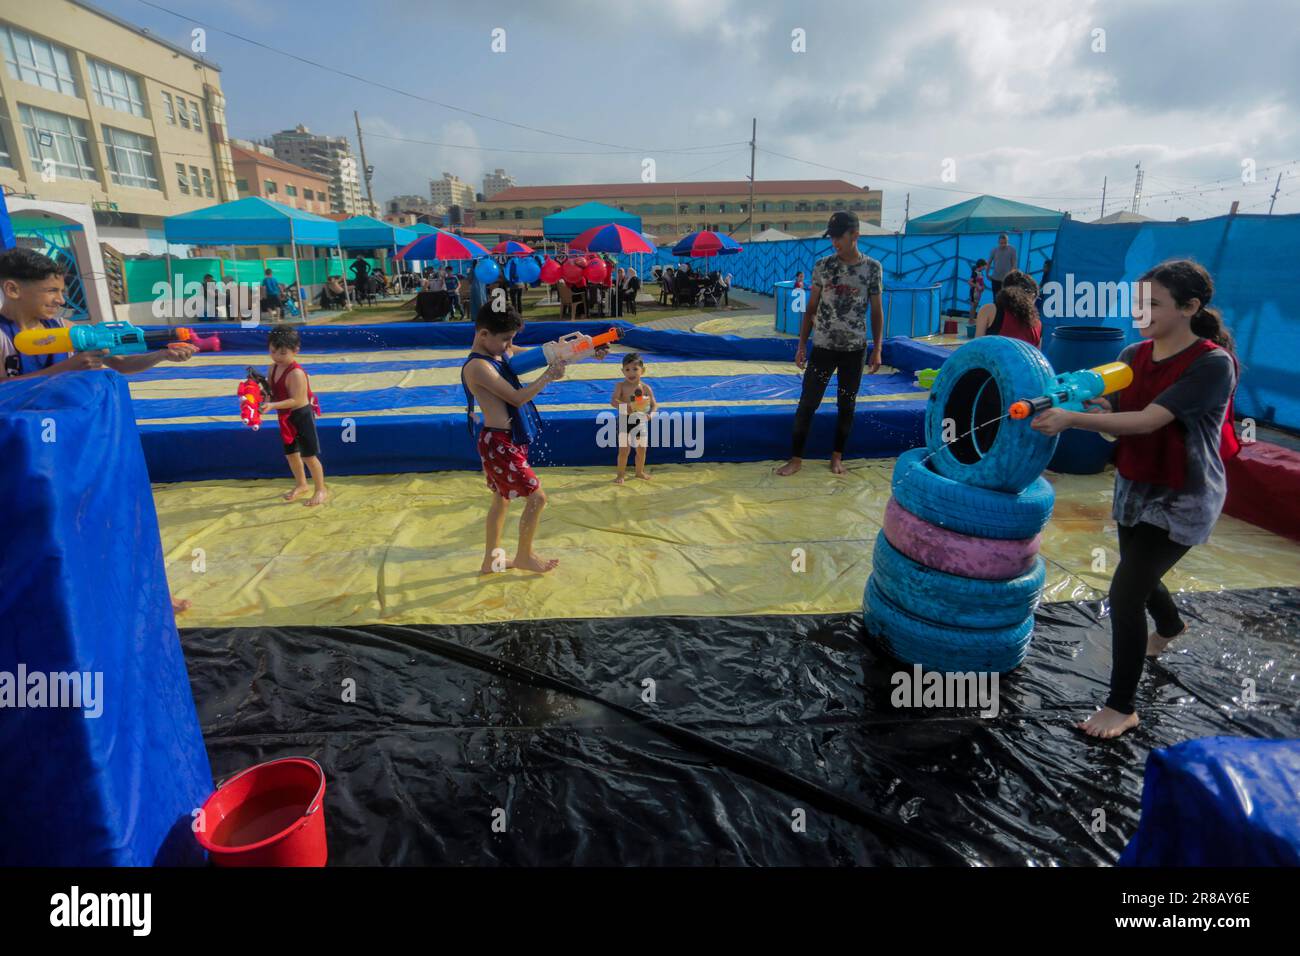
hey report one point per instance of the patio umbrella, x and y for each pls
(442, 246)
(512, 248)
(611, 238)
(706, 243)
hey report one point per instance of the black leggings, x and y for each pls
(1145, 556)
(847, 369)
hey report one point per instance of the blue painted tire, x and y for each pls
(943, 648)
(949, 599)
(975, 387)
(967, 509)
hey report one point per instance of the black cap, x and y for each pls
(840, 223)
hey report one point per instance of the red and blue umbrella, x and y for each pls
(512, 248)
(706, 243)
(442, 246)
(611, 238)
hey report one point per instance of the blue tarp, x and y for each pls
(367, 232)
(1219, 801)
(572, 223)
(1253, 262)
(85, 591)
(433, 441)
(251, 221)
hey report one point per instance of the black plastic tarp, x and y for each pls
(770, 740)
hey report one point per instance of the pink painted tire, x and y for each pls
(988, 559)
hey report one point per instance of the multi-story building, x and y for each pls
(495, 182)
(671, 210)
(330, 156)
(416, 207)
(259, 173)
(97, 111)
(451, 191)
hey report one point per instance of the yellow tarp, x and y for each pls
(704, 539)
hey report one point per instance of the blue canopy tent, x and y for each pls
(252, 221)
(367, 232)
(563, 226)
(985, 214)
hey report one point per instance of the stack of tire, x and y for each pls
(956, 573)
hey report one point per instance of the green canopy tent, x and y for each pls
(985, 214)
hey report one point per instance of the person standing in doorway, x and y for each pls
(844, 286)
(1002, 261)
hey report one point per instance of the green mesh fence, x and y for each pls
(143, 274)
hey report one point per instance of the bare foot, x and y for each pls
(319, 498)
(1156, 645)
(620, 478)
(1107, 723)
(644, 476)
(180, 605)
(790, 467)
(533, 563)
(296, 492)
(837, 466)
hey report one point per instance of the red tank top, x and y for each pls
(1160, 458)
(280, 390)
(1013, 328)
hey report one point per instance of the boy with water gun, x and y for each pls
(297, 407)
(36, 340)
(510, 423)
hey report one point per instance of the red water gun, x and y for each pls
(252, 393)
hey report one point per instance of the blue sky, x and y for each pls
(938, 99)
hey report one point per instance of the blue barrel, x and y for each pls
(1074, 347)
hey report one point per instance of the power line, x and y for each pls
(388, 88)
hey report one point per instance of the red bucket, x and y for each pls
(269, 815)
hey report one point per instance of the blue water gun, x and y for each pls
(1072, 389)
(116, 338)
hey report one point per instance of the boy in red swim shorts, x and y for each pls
(510, 422)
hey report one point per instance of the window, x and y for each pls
(207, 183)
(291, 191)
(59, 138)
(130, 159)
(183, 116)
(194, 117)
(168, 110)
(307, 193)
(116, 89)
(195, 184)
(519, 214)
(821, 207)
(702, 207)
(269, 187)
(5, 158)
(180, 178)
(241, 185)
(38, 61)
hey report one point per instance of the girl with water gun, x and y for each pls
(1174, 431)
(634, 395)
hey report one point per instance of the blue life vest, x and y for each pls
(525, 421)
(20, 364)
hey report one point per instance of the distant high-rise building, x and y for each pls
(331, 156)
(496, 181)
(451, 191)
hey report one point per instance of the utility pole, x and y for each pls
(753, 140)
(1273, 198)
(365, 168)
(1103, 198)
(1137, 188)
(907, 208)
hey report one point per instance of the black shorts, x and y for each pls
(305, 440)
